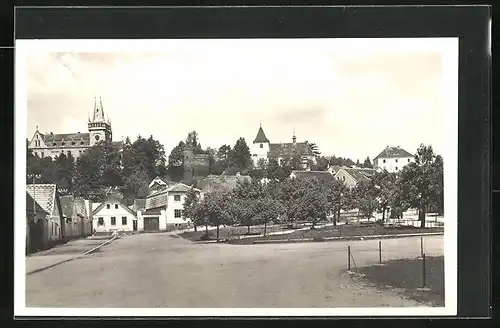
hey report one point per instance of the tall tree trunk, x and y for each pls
(217, 233)
(265, 228)
(383, 214)
(421, 216)
(195, 228)
(248, 229)
(206, 228)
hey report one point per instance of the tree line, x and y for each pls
(288, 201)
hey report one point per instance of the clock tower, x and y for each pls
(99, 128)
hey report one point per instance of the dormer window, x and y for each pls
(261, 146)
(63, 143)
(54, 144)
(81, 142)
(73, 143)
(383, 161)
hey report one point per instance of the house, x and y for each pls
(352, 176)
(163, 208)
(82, 210)
(221, 182)
(47, 197)
(73, 217)
(263, 149)
(36, 232)
(111, 215)
(324, 176)
(392, 159)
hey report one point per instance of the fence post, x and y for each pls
(423, 271)
(421, 247)
(349, 258)
(380, 251)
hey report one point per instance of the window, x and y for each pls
(383, 161)
(124, 220)
(177, 198)
(113, 220)
(396, 160)
(97, 137)
(261, 146)
(81, 142)
(343, 178)
(108, 206)
(177, 213)
(54, 144)
(100, 221)
(116, 206)
(69, 153)
(63, 143)
(396, 168)
(42, 153)
(408, 160)
(80, 152)
(72, 143)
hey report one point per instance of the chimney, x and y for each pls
(294, 138)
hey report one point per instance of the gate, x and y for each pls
(152, 224)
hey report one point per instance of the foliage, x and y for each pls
(365, 197)
(385, 190)
(368, 163)
(190, 203)
(240, 156)
(277, 171)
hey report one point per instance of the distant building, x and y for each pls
(352, 176)
(323, 176)
(393, 159)
(263, 149)
(75, 143)
(162, 210)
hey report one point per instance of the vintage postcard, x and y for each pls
(236, 177)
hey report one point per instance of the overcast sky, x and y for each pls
(349, 104)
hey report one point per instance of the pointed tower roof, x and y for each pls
(98, 111)
(261, 136)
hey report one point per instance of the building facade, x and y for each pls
(263, 149)
(53, 144)
(393, 159)
(112, 215)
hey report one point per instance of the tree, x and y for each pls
(321, 164)
(357, 162)
(65, 172)
(240, 155)
(315, 149)
(176, 162)
(367, 163)
(243, 212)
(89, 168)
(190, 203)
(268, 209)
(337, 198)
(136, 185)
(192, 142)
(214, 206)
(421, 181)
(365, 197)
(385, 185)
(260, 171)
(277, 171)
(310, 201)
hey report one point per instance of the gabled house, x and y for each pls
(111, 215)
(36, 231)
(392, 159)
(163, 209)
(82, 211)
(46, 196)
(352, 176)
(72, 220)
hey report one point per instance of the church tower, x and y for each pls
(99, 128)
(260, 146)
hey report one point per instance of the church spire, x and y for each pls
(98, 111)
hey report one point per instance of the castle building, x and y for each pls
(263, 149)
(54, 144)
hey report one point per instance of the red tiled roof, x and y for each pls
(290, 149)
(261, 136)
(393, 152)
(44, 195)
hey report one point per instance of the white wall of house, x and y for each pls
(259, 151)
(103, 219)
(392, 164)
(162, 220)
(175, 207)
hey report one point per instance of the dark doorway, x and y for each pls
(134, 225)
(36, 236)
(152, 224)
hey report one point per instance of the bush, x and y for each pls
(207, 235)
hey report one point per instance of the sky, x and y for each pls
(351, 104)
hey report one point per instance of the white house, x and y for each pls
(163, 210)
(392, 159)
(111, 215)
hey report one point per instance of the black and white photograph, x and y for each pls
(236, 177)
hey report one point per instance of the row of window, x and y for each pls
(383, 161)
(100, 221)
(42, 154)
